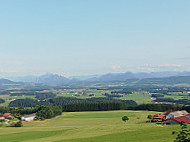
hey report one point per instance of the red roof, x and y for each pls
(6, 114)
(185, 119)
(161, 116)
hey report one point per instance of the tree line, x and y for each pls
(66, 100)
(121, 92)
(112, 95)
(46, 112)
(93, 106)
(38, 95)
(171, 100)
(158, 107)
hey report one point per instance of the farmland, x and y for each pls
(80, 93)
(139, 96)
(91, 126)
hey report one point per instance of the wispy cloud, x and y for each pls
(163, 67)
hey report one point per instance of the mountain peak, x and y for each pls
(50, 78)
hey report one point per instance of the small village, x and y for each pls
(8, 120)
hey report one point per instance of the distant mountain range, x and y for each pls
(6, 81)
(174, 80)
(141, 75)
(47, 78)
(54, 79)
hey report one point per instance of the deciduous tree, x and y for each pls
(125, 118)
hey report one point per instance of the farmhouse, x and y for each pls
(178, 120)
(29, 117)
(174, 114)
(6, 115)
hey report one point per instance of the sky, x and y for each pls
(85, 37)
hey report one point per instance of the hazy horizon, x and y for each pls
(79, 38)
(17, 76)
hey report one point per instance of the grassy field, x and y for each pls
(103, 126)
(177, 95)
(138, 97)
(79, 93)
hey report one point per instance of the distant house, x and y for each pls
(178, 120)
(158, 117)
(7, 115)
(174, 114)
(29, 117)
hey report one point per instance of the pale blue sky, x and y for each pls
(83, 37)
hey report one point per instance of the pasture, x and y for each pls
(102, 126)
(139, 97)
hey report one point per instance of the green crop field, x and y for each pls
(79, 93)
(139, 97)
(102, 126)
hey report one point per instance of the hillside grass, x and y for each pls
(102, 126)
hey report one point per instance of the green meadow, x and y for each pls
(102, 126)
(139, 97)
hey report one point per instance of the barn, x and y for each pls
(29, 117)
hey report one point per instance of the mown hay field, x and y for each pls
(102, 126)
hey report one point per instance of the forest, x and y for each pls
(66, 100)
